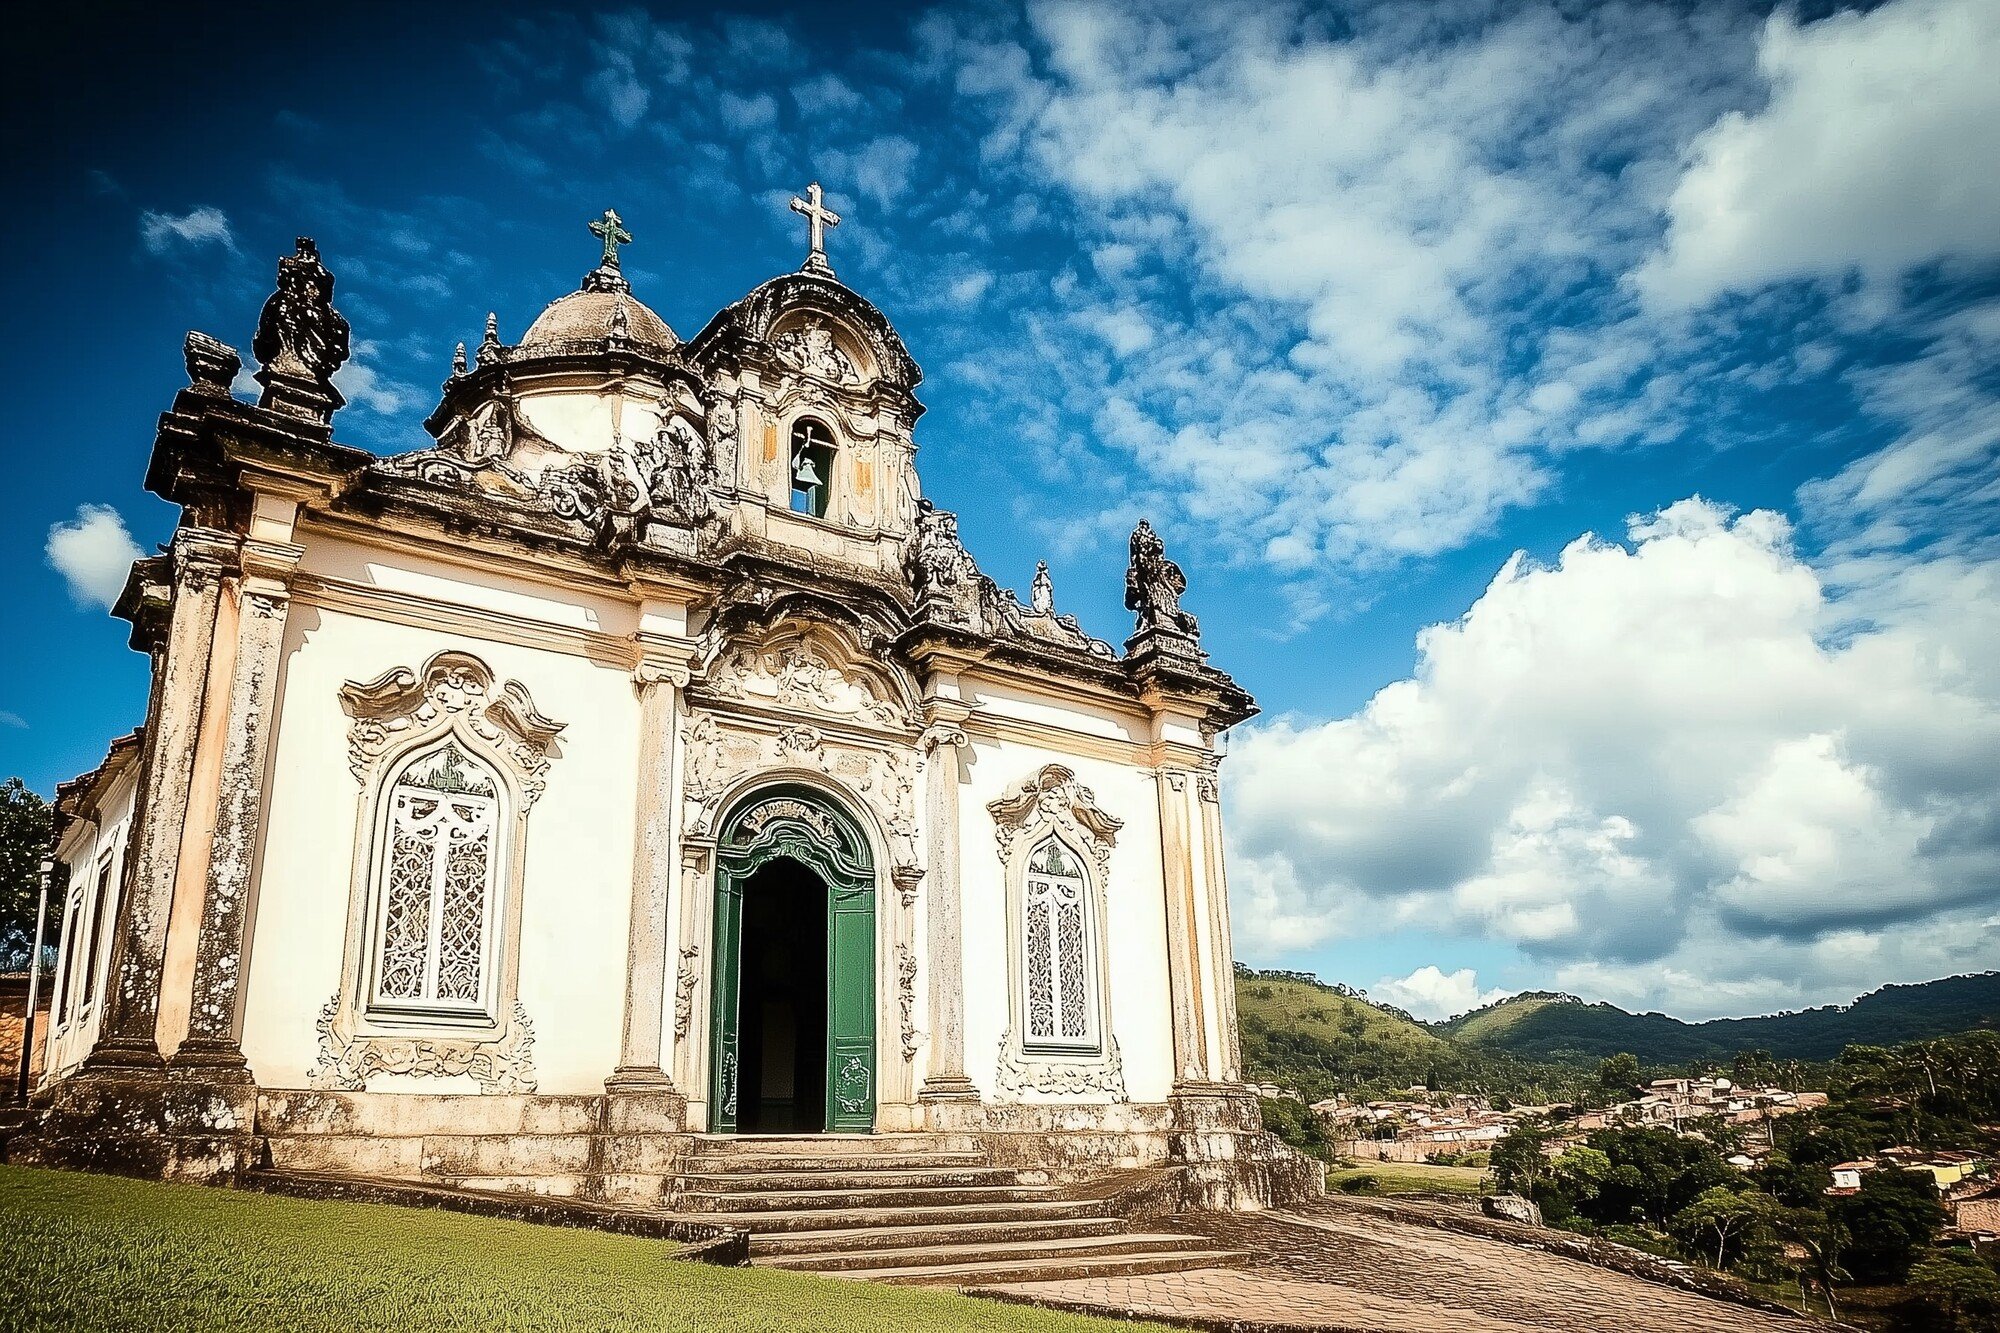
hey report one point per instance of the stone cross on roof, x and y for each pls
(606, 277)
(818, 218)
(611, 230)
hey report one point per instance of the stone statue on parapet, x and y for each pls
(301, 339)
(1153, 588)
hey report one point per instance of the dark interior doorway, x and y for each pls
(782, 1037)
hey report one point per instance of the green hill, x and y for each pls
(1303, 1034)
(1540, 1025)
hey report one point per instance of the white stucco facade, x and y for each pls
(470, 771)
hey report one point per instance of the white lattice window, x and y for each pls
(1061, 991)
(436, 879)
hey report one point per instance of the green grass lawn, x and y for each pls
(1408, 1178)
(87, 1253)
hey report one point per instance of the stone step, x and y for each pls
(849, 1200)
(845, 1180)
(702, 1162)
(908, 1237)
(1056, 1269)
(1065, 1249)
(944, 1215)
(551, 1186)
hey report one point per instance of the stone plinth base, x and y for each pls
(162, 1127)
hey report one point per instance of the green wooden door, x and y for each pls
(801, 824)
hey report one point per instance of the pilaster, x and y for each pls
(945, 1080)
(1227, 1035)
(643, 1053)
(127, 1042)
(1183, 941)
(263, 593)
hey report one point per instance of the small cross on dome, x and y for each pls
(818, 218)
(611, 230)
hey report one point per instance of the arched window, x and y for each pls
(1061, 990)
(812, 466)
(433, 936)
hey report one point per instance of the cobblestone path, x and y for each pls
(1335, 1266)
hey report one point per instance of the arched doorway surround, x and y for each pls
(831, 861)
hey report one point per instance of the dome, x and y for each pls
(585, 321)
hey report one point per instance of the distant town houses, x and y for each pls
(1423, 1123)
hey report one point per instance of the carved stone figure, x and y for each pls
(1153, 587)
(301, 339)
(621, 492)
(812, 349)
(682, 469)
(938, 566)
(1042, 598)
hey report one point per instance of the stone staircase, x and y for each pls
(914, 1208)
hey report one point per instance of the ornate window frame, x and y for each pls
(1052, 804)
(396, 721)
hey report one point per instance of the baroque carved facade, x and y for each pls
(816, 772)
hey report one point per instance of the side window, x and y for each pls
(1056, 940)
(812, 466)
(436, 887)
(66, 958)
(100, 906)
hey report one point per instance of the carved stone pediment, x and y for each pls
(883, 777)
(799, 666)
(1052, 797)
(453, 690)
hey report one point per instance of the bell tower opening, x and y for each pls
(812, 467)
(782, 1040)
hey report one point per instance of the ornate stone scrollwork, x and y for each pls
(800, 667)
(1053, 797)
(453, 688)
(504, 1064)
(906, 999)
(883, 776)
(684, 981)
(618, 494)
(811, 347)
(951, 590)
(1018, 1073)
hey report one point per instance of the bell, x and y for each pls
(803, 471)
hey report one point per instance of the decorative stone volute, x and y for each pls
(212, 365)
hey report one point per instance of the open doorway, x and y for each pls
(783, 1018)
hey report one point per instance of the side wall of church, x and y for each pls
(92, 853)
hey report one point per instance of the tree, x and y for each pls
(1618, 1074)
(1821, 1240)
(1895, 1215)
(1517, 1162)
(25, 823)
(1722, 1215)
(1655, 1173)
(1952, 1291)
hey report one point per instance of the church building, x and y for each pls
(642, 760)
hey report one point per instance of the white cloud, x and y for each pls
(163, 232)
(1680, 770)
(1875, 153)
(13, 720)
(1363, 251)
(94, 553)
(365, 386)
(1433, 995)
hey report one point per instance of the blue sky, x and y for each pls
(1579, 424)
